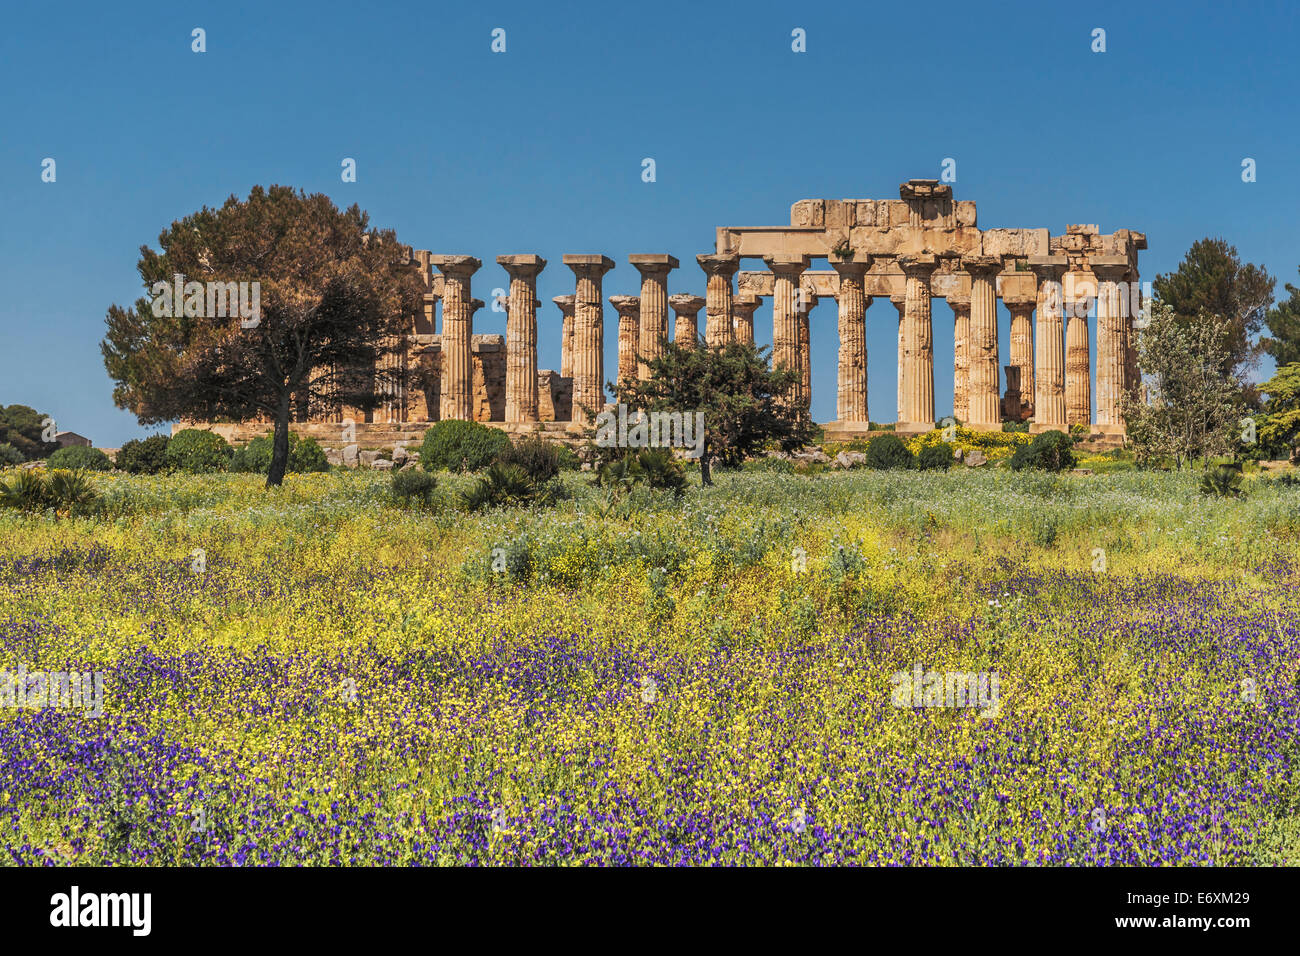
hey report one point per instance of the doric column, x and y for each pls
(1131, 304)
(629, 321)
(1078, 363)
(457, 328)
(984, 408)
(1112, 341)
(521, 336)
(900, 303)
(743, 305)
(588, 335)
(565, 304)
(960, 305)
(686, 329)
(851, 400)
(918, 342)
(786, 271)
(1022, 351)
(718, 314)
(1049, 348)
(653, 323)
(809, 301)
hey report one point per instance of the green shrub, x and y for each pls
(197, 451)
(72, 491)
(539, 458)
(1222, 481)
(414, 485)
(80, 458)
(9, 455)
(144, 456)
(305, 455)
(461, 446)
(935, 457)
(1050, 451)
(888, 451)
(569, 460)
(28, 491)
(503, 485)
(661, 471)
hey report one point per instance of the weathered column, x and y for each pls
(588, 335)
(565, 305)
(851, 399)
(809, 301)
(786, 298)
(918, 379)
(960, 304)
(1112, 341)
(900, 303)
(653, 323)
(686, 330)
(984, 407)
(1078, 363)
(629, 321)
(1049, 348)
(1131, 305)
(717, 311)
(457, 328)
(521, 336)
(743, 305)
(1022, 351)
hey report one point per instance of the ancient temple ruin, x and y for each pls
(909, 250)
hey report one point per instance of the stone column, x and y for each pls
(629, 321)
(899, 303)
(1078, 363)
(565, 304)
(785, 320)
(521, 336)
(1130, 304)
(985, 409)
(457, 329)
(960, 304)
(918, 368)
(1112, 342)
(1022, 352)
(653, 323)
(588, 335)
(743, 305)
(851, 400)
(686, 330)
(718, 313)
(810, 301)
(1049, 348)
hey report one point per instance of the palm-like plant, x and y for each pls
(29, 492)
(72, 491)
(1222, 481)
(502, 485)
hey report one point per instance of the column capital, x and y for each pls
(921, 265)
(459, 266)
(1048, 268)
(588, 266)
(790, 266)
(719, 264)
(746, 302)
(522, 266)
(626, 305)
(565, 302)
(653, 263)
(958, 300)
(982, 266)
(1109, 268)
(686, 304)
(851, 268)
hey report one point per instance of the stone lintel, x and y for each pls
(924, 189)
(1083, 229)
(981, 265)
(487, 343)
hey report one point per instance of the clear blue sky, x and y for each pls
(539, 149)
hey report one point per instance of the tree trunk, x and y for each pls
(706, 476)
(280, 444)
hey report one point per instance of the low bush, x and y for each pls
(9, 455)
(539, 458)
(34, 491)
(147, 456)
(935, 457)
(1222, 481)
(413, 486)
(1049, 451)
(197, 451)
(80, 458)
(506, 485)
(455, 445)
(888, 451)
(305, 455)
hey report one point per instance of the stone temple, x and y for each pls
(923, 245)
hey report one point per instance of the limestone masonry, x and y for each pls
(909, 250)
